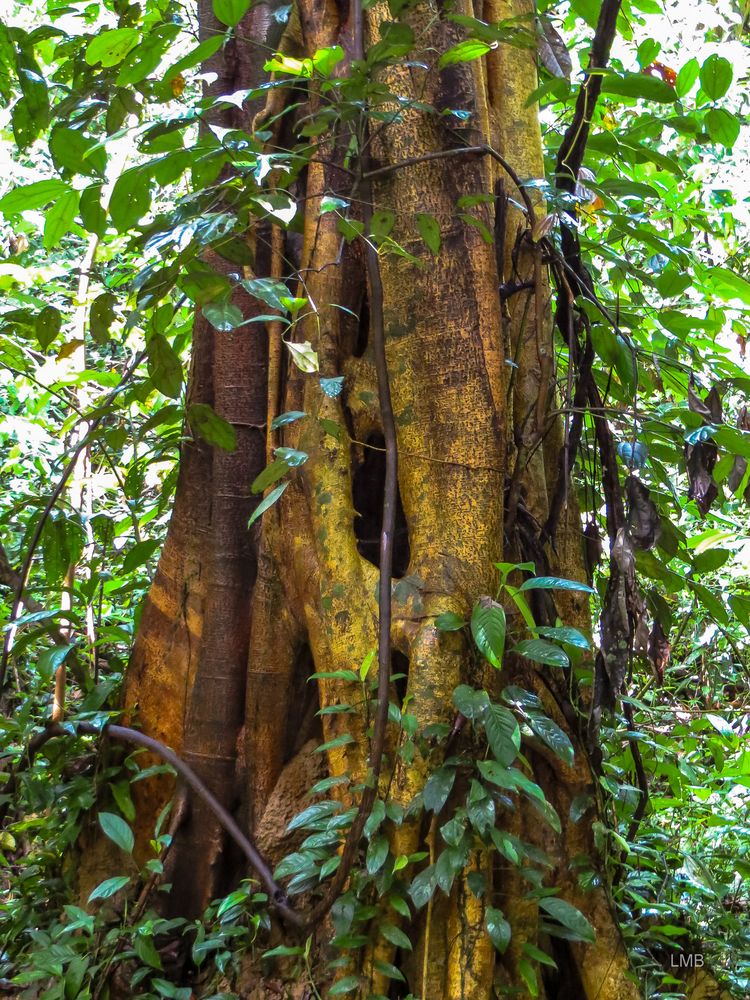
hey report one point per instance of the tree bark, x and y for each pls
(218, 640)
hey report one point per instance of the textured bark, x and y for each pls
(467, 433)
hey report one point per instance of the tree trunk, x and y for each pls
(472, 382)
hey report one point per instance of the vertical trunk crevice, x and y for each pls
(367, 492)
(303, 721)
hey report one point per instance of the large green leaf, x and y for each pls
(31, 196)
(498, 928)
(555, 583)
(503, 734)
(541, 651)
(464, 52)
(716, 76)
(117, 830)
(638, 85)
(110, 47)
(231, 12)
(131, 198)
(59, 219)
(570, 917)
(555, 738)
(488, 629)
(164, 366)
(211, 427)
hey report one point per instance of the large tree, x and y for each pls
(444, 340)
(374, 586)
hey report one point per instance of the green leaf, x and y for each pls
(92, 213)
(143, 945)
(488, 629)
(464, 52)
(346, 985)
(271, 474)
(725, 284)
(211, 427)
(364, 667)
(267, 502)
(423, 887)
(286, 418)
(29, 197)
(313, 814)
(109, 887)
(117, 830)
(722, 126)
(59, 219)
(529, 975)
(396, 936)
(377, 852)
(381, 224)
(503, 734)
(199, 54)
(131, 198)
(638, 85)
(470, 702)
(111, 47)
(570, 917)
(324, 60)
(555, 738)
(102, 316)
(164, 366)
(686, 77)
(480, 808)
(438, 788)
(555, 583)
(51, 659)
(565, 633)
(429, 230)
(48, 325)
(69, 148)
(496, 773)
(328, 203)
(449, 621)
(283, 951)
(715, 76)
(223, 315)
(541, 651)
(376, 817)
(498, 928)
